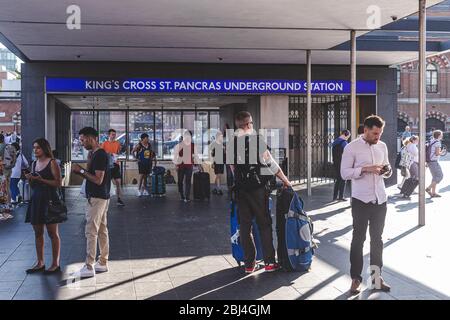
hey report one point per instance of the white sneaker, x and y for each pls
(139, 193)
(99, 268)
(146, 193)
(2, 217)
(84, 272)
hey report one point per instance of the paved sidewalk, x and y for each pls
(165, 249)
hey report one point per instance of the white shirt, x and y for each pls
(434, 145)
(413, 151)
(21, 162)
(366, 187)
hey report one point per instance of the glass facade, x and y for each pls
(163, 127)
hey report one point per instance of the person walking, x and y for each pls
(435, 151)
(44, 179)
(365, 161)
(185, 157)
(407, 133)
(146, 157)
(217, 154)
(112, 147)
(413, 150)
(98, 186)
(252, 192)
(338, 148)
(16, 175)
(405, 162)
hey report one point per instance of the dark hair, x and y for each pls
(361, 129)
(187, 132)
(373, 121)
(111, 130)
(240, 118)
(144, 135)
(45, 146)
(437, 133)
(16, 145)
(2, 138)
(89, 131)
(345, 132)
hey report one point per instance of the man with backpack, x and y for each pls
(433, 152)
(365, 161)
(251, 182)
(338, 149)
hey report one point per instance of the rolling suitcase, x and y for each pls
(409, 186)
(295, 243)
(158, 186)
(201, 186)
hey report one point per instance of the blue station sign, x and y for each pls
(153, 85)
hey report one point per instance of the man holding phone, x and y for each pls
(365, 161)
(98, 185)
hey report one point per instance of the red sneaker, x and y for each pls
(251, 269)
(271, 267)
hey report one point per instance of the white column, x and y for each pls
(422, 109)
(354, 127)
(308, 122)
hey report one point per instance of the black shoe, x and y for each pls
(120, 202)
(342, 199)
(214, 191)
(57, 270)
(35, 270)
(220, 193)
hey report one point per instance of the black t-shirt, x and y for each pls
(99, 162)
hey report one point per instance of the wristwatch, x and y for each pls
(82, 171)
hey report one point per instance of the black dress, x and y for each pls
(40, 197)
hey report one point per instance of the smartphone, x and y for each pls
(26, 171)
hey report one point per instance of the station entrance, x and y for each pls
(160, 116)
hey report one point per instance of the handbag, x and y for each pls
(56, 209)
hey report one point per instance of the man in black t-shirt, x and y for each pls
(98, 185)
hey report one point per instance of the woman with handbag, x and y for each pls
(44, 207)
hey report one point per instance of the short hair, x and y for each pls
(345, 132)
(111, 130)
(89, 132)
(437, 133)
(144, 135)
(413, 138)
(373, 121)
(361, 129)
(240, 118)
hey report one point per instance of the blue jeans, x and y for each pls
(15, 192)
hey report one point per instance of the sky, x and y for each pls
(18, 60)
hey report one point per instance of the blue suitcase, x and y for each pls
(158, 183)
(236, 248)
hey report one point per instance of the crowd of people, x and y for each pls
(364, 161)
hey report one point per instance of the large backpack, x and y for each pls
(428, 146)
(10, 157)
(295, 243)
(248, 176)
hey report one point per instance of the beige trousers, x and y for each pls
(96, 228)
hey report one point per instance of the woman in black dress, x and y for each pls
(45, 179)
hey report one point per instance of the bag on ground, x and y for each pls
(295, 243)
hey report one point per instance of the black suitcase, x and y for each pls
(409, 186)
(283, 204)
(201, 186)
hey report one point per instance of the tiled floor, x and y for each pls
(164, 249)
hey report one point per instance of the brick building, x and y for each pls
(10, 101)
(438, 94)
